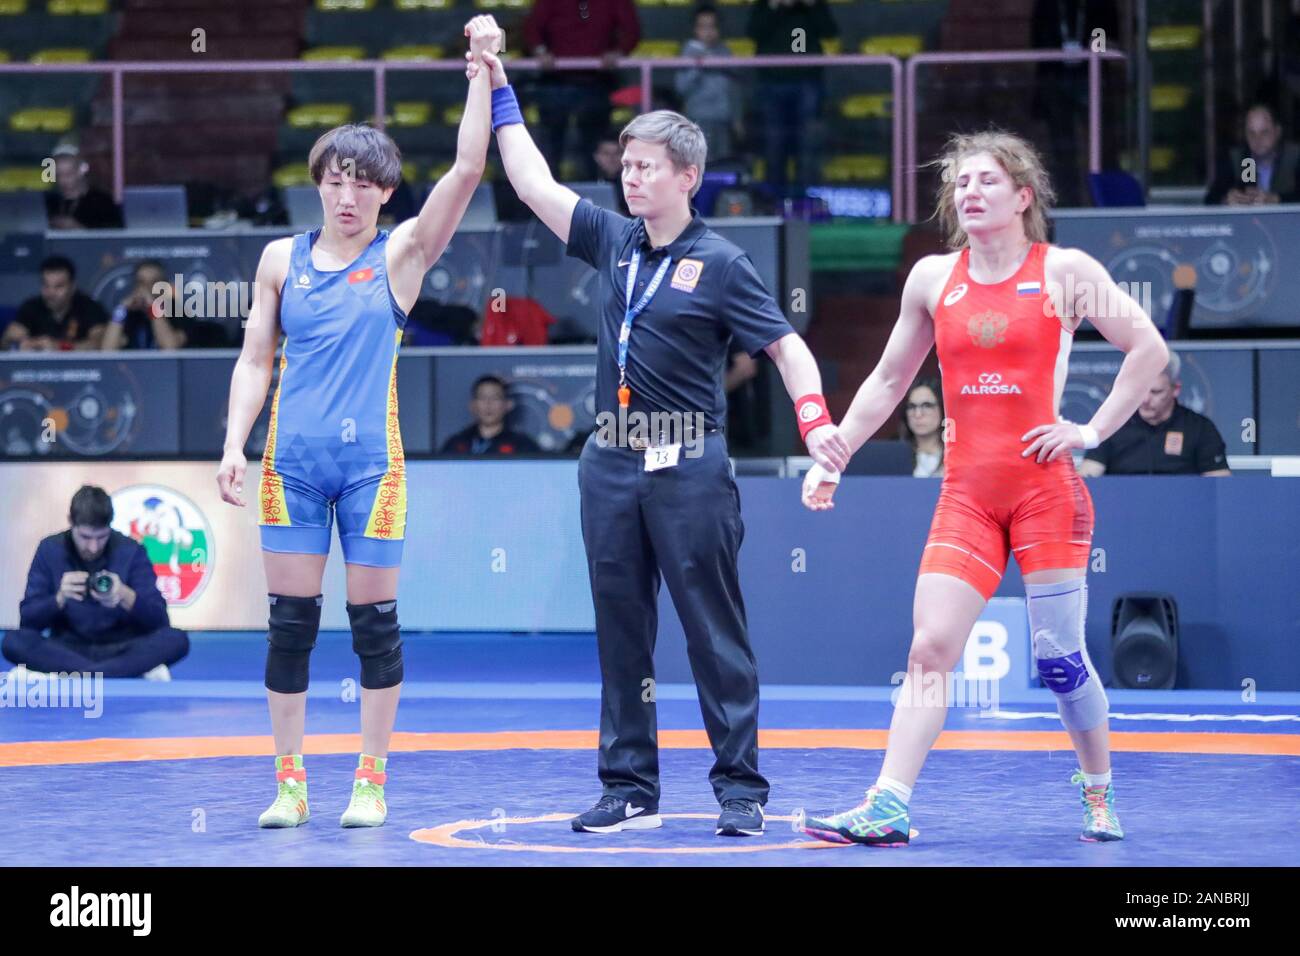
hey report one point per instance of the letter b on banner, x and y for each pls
(986, 656)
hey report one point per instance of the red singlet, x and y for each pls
(1003, 354)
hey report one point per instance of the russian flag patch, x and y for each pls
(1029, 288)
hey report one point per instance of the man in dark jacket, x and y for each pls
(94, 591)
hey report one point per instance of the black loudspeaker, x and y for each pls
(1144, 641)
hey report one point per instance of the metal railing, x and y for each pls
(1003, 56)
(380, 69)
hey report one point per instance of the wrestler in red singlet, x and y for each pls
(1003, 353)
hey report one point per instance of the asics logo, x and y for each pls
(303, 281)
(990, 383)
(957, 292)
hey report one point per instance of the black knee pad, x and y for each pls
(291, 635)
(378, 642)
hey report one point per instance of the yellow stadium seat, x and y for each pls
(409, 170)
(22, 178)
(854, 167)
(657, 49)
(672, 3)
(622, 115)
(1162, 158)
(1170, 96)
(892, 44)
(4, 56)
(1174, 38)
(414, 51)
(331, 6)
(42, 119)
(311, 115)
(295, 174)
(734, 3)
(867, 106)
(62, 54)
(502, 4)
(335, 53)
(12, 7)
(72, 8)
(423, 4)
(438, 170)
(452, 114)
(740, 46)
(411, 114)
(832, 46)
(532, 116)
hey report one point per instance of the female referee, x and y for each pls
(1002, 310)
(341, 295)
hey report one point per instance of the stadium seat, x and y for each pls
(855, 167)
(312, 115)
(334, 53)
(867, 106)
(43, 119)
(1170, 97)
(335, 6)
(1174, 38)
(408, 5)
(414, 51)
(1114, 187)
(657, 49)
(62, 54)
(292, 174)
(411, 114)
(19, 178)
(68, 8)
(740, 46)
(13, 7)
(892, 44)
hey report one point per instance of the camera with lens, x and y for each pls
(101, 582)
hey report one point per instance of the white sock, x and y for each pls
(1097, 779)
(900, 790)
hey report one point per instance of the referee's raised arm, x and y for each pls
(525, 165)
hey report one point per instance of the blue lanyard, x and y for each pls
(632, 311)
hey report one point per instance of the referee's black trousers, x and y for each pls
(683, 522)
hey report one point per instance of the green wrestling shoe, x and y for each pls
(879, 820)
(367, 808)
(290, 807)
(1100, 825)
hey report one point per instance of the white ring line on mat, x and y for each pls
(1173, 718)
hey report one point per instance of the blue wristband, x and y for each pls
(505, 108)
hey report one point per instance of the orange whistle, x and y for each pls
(624, 396)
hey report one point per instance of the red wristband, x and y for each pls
(810, 410)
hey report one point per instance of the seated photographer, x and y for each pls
(94, 591)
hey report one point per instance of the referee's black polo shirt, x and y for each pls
(678, 347)
(1186, 443)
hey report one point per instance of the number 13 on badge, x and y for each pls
(663, 456)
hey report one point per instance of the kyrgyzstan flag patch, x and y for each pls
(361, 275)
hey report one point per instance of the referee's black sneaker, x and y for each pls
(740, 817)
(612, 814)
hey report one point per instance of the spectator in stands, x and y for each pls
(61, 318)
(74, 203)
(1272, 174)
(710, 97)
(790, 98)
(608, 158)
(489, 405)
(94, 592)
(1061, 97)
(142, 320)
(922, 427)
(578, 28)
(1162, 438)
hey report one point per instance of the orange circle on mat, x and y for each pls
(445, 835)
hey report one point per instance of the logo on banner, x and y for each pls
(175, 535)
(687, 275)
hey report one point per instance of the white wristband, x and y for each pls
(817, 474)
(1090, 437)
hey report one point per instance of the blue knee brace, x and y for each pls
(1056, 623)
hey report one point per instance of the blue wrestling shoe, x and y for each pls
(879, 820)
(1100, 825)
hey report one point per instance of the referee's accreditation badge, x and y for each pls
(687, 275)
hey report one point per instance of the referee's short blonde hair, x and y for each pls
(681, 139)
